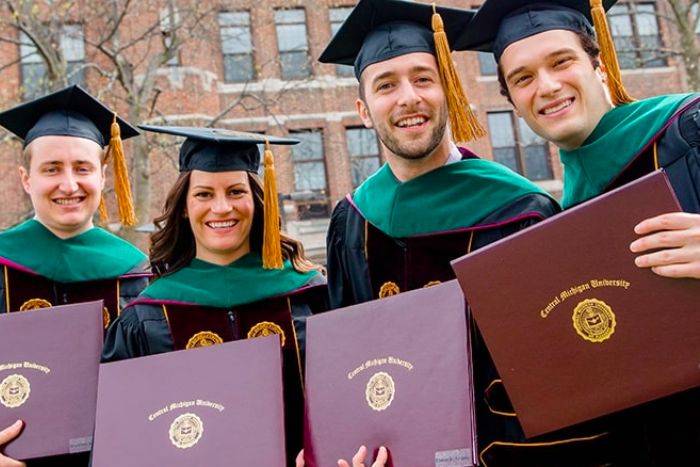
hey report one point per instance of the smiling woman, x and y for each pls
(223, 270)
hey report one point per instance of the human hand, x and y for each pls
(358, 460)
(676, 236)
(299, 462)
(7, 435)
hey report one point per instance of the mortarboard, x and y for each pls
(499, 23)
(379, 30)
(223, 150)
(218, 149)
(68, 112)
(73, 112)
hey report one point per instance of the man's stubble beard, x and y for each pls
(399, 148)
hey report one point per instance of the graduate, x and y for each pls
(569, 90)
(59, 256)
(433, 201)
(223, 269)
(557, 66)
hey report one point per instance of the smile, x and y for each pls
(411, 122)
(558, 107)
(222, 224)
(68, 201)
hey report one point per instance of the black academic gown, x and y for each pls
(21, 290)
(148, 327)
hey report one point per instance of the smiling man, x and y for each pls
(562, 77)
(553, 72)
(59, 256)
(432, 201)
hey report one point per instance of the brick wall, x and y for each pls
(194, 92)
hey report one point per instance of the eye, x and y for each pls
(521, 80)
(201, 195)
(237, 192)
(84, 169)
(562, 61)
(50, 170)
(384, 86)
(424, 79)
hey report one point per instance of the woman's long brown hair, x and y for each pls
(173, 245)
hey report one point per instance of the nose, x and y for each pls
(408, 94)
(221, 205)
(547, 83)
(69, 184)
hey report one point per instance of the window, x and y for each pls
(337, 16)
(236, 46)
(310, 174)
(635, 31)
(292, 43)
(487, 64)
(34, 73)
(169, 23)
(364, 153)
(516, 146)
(695, 9)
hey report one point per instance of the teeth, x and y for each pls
(551, 110)
(222, 224)
(413, 121)
(67, 201)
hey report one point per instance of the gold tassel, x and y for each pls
(618, 93)
(104, 217)
(465, 126)
(122, 187)
(272, 246)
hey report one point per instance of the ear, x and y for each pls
(602, 72)
(516, 111)
(104, 176)
(363, 111)
(24, 179)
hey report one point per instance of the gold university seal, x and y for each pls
(388, 289)
(14, 391)
(204, 339)
(380, 391)
(186, 430)
(35, 304)
(105, 317)
(266, 328)
(594, 320)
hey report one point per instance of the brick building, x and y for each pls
(251, 65)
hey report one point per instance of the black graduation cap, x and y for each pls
(68, 112)
(378, 30)
(218, 149)
(499, 23)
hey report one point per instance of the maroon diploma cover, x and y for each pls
(392, 372)
(576, 330)
(49, 361)
(212, 406)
